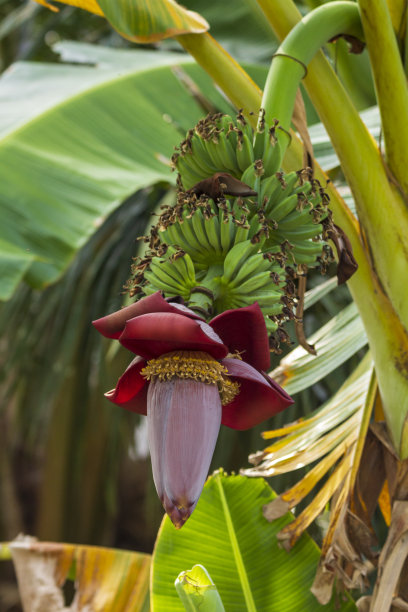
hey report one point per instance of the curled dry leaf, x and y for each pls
(392, 560)
(104, 578)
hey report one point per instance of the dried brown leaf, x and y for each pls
(392, 559)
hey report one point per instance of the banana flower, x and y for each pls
(190, 377)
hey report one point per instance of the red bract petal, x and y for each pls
(113, 325)
(259, 397)
(155, 334)
(131, 389)
(244, 330)
(184, 418)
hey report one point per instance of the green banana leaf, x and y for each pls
(228, 534)
(78, 140)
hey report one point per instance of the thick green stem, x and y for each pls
(384, 217)
(289, 63)
(391, 85)
(381, 209)
(226, 72)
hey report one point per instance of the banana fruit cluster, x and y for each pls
(221, 252)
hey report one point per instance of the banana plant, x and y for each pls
(240, 161)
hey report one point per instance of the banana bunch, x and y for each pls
(219, 143)
(295, 210)
(220, 251)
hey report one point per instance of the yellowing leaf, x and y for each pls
(143, 21)
(105, 578)
(87, 5)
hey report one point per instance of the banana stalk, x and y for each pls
(391, 85)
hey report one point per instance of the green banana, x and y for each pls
(214, 155)
(185, 272)
(296, 219)
(290, 179)
(167, 288)
(270, 188)
(186, 228)
(189, 267)
(244, 153)
(258, 281)
(198, 225)
(283, 208)
(236, 257)
(161, 271)
(201, 155)
(249, 177)
(212, 230)
(227, 231)
(308, 260)
(255, 263)
(241, 234)
(301, 233)
(308, 248)
(271, 158)
(228, 154)
(189, 176)
(259, 143)
(271, 326)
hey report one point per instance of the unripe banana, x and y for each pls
(168, 288)
(249, 177)
(271, 155)
(241, 234)
(162, 271)
(215, 156)
(296, 219)
(271, 326)
(308, 247)
(228, 154)
(259, 143)
(189, 177)
(308, 260)
(255, 263)
(244, 153)
(227, 232)
(189, 267)
(283, 208)
(212, 230)
(198, 225)
(200, 152)
(236, 257)
(186, 228)
(251, 285)
(302, 233)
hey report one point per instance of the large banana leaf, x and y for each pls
(229, 536)
(78, 140)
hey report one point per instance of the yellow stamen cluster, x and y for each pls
(195, 365)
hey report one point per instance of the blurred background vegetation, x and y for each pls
(73, 467)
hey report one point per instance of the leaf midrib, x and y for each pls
(236, 551)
